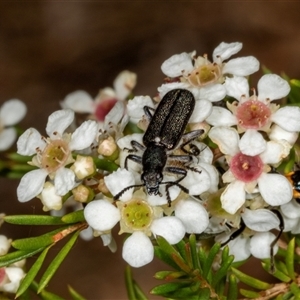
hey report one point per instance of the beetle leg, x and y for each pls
(135, 158)
(147, 111)
(117, 196)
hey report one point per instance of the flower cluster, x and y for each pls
(223, 179)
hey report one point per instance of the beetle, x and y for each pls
(165, 131)
(294, 178)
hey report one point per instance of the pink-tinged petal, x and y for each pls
(84, 135)
(58, 122)
(31, 184)
(170, 228)
(233, 197)
(226, 138)
(272, 86)
(79, 101)
(278, 134)
(242, 66)
(115, 114)
(221, 117)
(64, 181)
(193, 216)
(252, 143)
(7, 138)
(101, 215)
(124, 84)
(288, 118)
(15, 275)
(30, 141)
(226, 50)
(138, 250)
(213, 92)
(177, 64)
(201, 111)
(12, 112)
(260, 245)
(260, 219)
(275, 189)
(237, 87)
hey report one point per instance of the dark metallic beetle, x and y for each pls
(294, 179)
(164, 133)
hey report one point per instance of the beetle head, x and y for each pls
(152, 181)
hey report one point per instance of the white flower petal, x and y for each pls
(15, 275)
(242, 66)
(135, 107)
(225, 50)
(237, 87)
(275, 152)
(79, 101)
(101, 215)
(213, 92)
(291, 209)
(30, 141)
(272, 86)
(226, 138)
(49, 197)
(115, 115)
(4, 244)
(193, 216)
(84, 135)
(124, 84)
(260, 244)
(275, 189)
(201, 111)
(213, 175)
(12, 112)
(233, 197)
(206, 155)
(138, 250)
(260, 219)
(64, 181)
(119, 180)
(87, 234)
(7, 138)
(196, 182)
(164, 88)
(221, 117)
(58, 122)
(31, 184)
(252, 143)
(239, 248)
(288, 118)
(278, 134)
(177, 64)
(170, 228)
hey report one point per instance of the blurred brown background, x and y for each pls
(49, 49)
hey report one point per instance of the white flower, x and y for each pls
(82, 102)
(10, 278)
(53, 154)
(257, 112)
(11, 113)
(136, 216)
(205, 78)
(248, 158)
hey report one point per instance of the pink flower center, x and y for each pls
(2, 275)
(246, 168)
(104, 107)
(253, 114)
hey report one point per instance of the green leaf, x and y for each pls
(189, 292)
(36, 242)
(15, 256)
(166, 288)
(74, 217)
(27, 280)
(74, 294)
(171, 251)
(181, 248)
(253, 282)
(169, 275)
(289, 259)
(249, 294)
(140, 295)
(222, 272)
(232, 293)
(210, 259)
(104, 164)
(277, 273)
(193, 247)
(165, 257)
(129, 283)
(33, 220)
(295, 290)
(57, 261)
